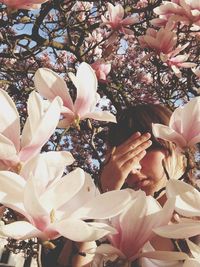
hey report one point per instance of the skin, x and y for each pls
(122, 166)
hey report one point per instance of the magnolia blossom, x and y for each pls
(176, 61)
(40, 125)
(184, 125)
(134, 226)
(52, 206)
(164, 40)
(50, 85)
(101, 69)
(186, 11)
(24, 4)
(115, 19)
(187, 204)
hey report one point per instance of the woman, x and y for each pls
(135, 158)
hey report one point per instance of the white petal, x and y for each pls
(107, 249)
(87, 192)
(20, 230)
(101, 207)
(12, 190)
(63, 190)
(32, 203)
(187, 197)
(8, 150)
(165, 255)
(100, 116)
(48, 165)
(50, 85)
(80, 231)
(9, 119)
(40, 132)
(86, 89)
(179, 230)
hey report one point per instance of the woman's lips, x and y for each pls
(141, 183)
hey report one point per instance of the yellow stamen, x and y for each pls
(48, 245)
(52, 215)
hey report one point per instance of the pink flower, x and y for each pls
(175, 61)
(39, 126)
(163, 40)
(184, 125)
(134, 225)
(55, 206)
(24, 4)
(187, 11)
(50, 85)
(115, 19)
(101, 69)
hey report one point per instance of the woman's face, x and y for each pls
(151, 177)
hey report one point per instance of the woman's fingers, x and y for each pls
(134, 142)
(122, 160)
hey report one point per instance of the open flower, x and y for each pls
(24, 4)
(115, 19)
(53, 207)
(184, 125)
(176, 61)
(39, 126)
(187, 204)
(50, 85)
(101, 69)
(164, 40)
(186, 11)
(134, 226)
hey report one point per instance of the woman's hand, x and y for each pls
(122, 161)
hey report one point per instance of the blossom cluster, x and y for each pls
(53, 204)
(50, 203)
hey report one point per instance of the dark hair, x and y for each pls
(140, 118)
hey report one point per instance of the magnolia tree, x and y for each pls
(71, 67)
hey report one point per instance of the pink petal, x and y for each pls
(50, 85)
(129, 21)
(166, 133)
(186, 120)
(34, 206)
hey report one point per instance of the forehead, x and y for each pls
(155, 154)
